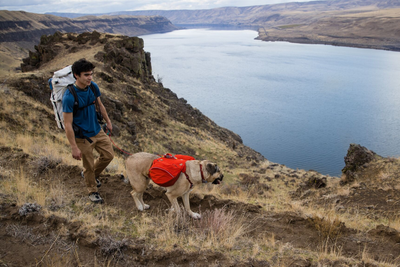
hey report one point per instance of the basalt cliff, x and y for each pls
(263, 214)
(17, 26)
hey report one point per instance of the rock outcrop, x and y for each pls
(356, 158)
(125, 56)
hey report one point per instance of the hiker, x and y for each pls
(88, 134)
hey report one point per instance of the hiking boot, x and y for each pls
(98, 183)
(95, 197)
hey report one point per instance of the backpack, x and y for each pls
(166, 170)
(62, 80)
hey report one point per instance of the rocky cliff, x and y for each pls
(16, 26)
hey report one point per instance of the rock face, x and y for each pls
(357, 156)
(17, 26)
(124, 56)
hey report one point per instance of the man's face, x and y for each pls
(84, 79)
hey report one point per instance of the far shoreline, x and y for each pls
(333, 43)
(302, 38)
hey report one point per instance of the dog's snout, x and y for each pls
(218, 180)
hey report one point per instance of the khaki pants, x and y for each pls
(102, 144)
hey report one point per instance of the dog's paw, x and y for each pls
(146, 207)
(195, 216)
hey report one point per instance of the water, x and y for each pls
(298, 105)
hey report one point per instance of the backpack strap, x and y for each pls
(71, 89)
(91, 86)
(96, 102)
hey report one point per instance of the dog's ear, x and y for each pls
(212, 168)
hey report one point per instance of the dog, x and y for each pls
(137, 167)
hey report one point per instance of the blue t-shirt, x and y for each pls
(85, 118)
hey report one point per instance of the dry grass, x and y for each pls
(220, 229)
(18, 187)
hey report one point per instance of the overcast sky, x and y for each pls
(106, 6)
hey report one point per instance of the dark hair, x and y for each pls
(82, 65)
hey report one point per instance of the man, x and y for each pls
(88, 134)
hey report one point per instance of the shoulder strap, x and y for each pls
(91, 86)
(71, 89)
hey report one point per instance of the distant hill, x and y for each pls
(254, 16)
(18, 26)
(358, 23)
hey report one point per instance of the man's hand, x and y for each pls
(105, 115)
(109, 126)
(76, 153)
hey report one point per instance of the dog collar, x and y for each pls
(202, 175)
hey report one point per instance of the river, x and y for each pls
(297, 104)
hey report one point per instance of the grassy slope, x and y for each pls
(264, 213)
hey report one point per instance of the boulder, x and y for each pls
(357, 157)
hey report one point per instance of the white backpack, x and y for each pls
(58, 84)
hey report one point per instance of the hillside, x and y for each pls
(20, 31)
(379, 29)
(264, 214)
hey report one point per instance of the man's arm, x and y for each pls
(76, 152)
(105, 115)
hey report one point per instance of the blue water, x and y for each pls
(298, 105)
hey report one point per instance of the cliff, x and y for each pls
(16, 26)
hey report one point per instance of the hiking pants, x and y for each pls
(93, 168)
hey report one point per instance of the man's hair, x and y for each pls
(82, 65)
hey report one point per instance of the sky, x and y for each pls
(106, 6)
